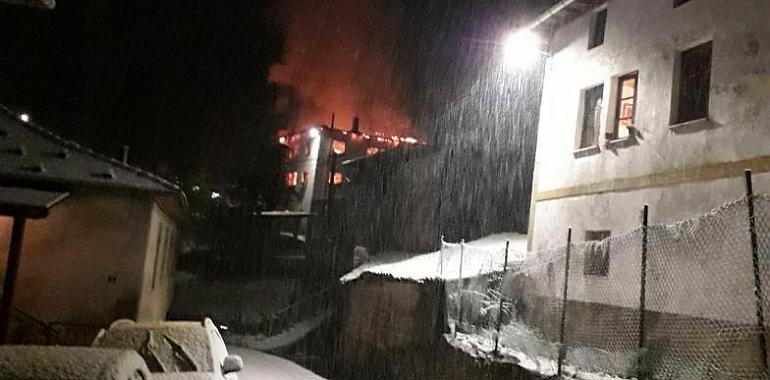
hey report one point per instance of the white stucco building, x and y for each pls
(664, 103)
(691, 80)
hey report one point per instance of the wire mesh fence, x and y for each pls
(687, 300)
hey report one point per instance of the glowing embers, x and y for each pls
(291, 179)
(370, 151)
(336, 179)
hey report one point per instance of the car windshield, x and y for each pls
(164, 349)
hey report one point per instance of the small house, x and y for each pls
(91, 239)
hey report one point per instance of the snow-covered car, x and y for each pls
(174, 349)
(70, 363)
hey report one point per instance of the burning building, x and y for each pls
(314, 170)
(314, 159)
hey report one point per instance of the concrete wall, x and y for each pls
(87, 261)
(389, 328)
(393, 329)
(160, 254)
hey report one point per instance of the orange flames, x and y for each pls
(340, 59)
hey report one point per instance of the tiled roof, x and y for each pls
(33, 155)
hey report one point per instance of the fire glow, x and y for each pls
(339, 60)
(287, 139)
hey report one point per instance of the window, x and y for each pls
(694, 83)
(679, 2)
(166, 256)
(338, 146)
(597, 255)
(625, 112)
(291, 179)
(337, 179)
(305, 178)
(307, 148)
(372, 151)
(598, 29)
(592, 110)
(158, 252)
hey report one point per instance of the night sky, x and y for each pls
(188, 85)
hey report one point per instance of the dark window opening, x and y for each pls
(597, 254)
(694, 83)
(625, 111)
(592, 109)
(598, 29)
(679, 2)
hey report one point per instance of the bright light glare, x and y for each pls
(313, 133)
(521, 49)
(215, 195)
(24, 117)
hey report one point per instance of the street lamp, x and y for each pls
(521, 49)
(24, 117)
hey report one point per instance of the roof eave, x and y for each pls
(563, 12)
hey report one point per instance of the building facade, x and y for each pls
(659, 102)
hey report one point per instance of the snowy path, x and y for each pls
(260, 366)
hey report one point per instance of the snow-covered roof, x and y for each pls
(31, 155)
(479, 257)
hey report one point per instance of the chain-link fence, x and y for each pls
(687, 300)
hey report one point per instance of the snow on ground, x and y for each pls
(261, 366)
(541, 358)
(290, 336)
(247, 301)
(480, 256)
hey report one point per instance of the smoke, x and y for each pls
(341, 57)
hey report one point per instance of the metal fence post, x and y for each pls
(441, 258)
(562, 350)
(500, 308)
(460, 286)
(643, 282)
(757, 276)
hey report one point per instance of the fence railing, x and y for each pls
(679, 301)
(304, 308)
(26, 329)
